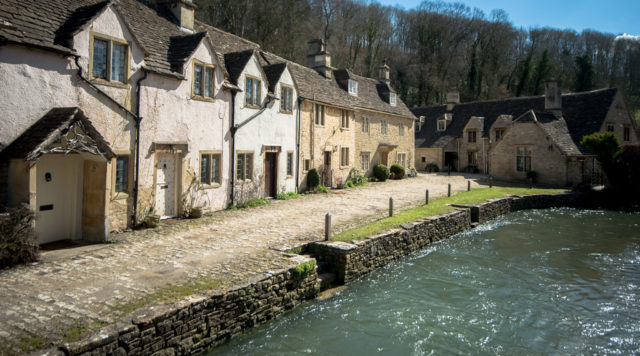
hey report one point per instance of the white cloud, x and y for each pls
(626, 36)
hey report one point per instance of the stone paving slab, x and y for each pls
(90, 286)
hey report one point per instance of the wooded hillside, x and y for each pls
(437, 47)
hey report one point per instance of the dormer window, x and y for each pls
(442, 125)
(252, 92)
(353, 87)
(109, 59)
(392, 99)
(285, 99)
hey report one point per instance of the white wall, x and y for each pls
(270, 128)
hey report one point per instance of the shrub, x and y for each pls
(356, 177)
(381, 172)
(253, 203)
(397, 170)
(532, 175)
(472, 168)
(414, 172)
(432, 168)
(348, 184)
(313, 178)
(322, 189)
(302, 270)
(18, 239)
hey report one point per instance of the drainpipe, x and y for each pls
(298, 124)
(128, 112)
(233, 144)
(138, 121)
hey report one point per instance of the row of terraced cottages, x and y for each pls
(116, 110)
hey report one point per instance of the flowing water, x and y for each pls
(556, 281)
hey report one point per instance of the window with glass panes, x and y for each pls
(109, 60)
(319, 113)
(472, 135)
(286, 94)
(400, 129)
(365, 160)
(384, 126)
(210, 168)
(252, 91)
(203, 80)
(290, 163)
(401, 159)
(122, 174)
(244, 166)
(365, 124)
(344, 156)
(344, 121)
(523, 159)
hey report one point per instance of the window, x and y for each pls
(401, 159)
(365, 124)
(110, 59)
(307, 164)
(344, 122)
(471, 134)
(210, 168)
(400, 129)
(383, 127)
(523, 159)
(344, 156)
(203, 80)
(472, 158)
(290, 163)
(353, 87)
(285, 99)
(244, 166)
(392, 99)
(499, 134)
(122, 174)
(252, 91)
(626, 134)
(442, 125)
(610, 128)
(365, 160)
(424, 159)
(319, 114)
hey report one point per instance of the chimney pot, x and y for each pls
(184, 11)
(383, 73)
(553, 95)
(318, 58)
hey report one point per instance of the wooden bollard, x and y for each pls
(426, 197)
(449, 190)
(327, 227)
(490, 182)
(468, 186)
(390, 206)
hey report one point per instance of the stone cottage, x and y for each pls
(507, 138)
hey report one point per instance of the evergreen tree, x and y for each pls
(541, 72)
(525, 73)
(472, 77)
(584, 73)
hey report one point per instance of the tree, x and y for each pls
(541, 72)
(525, 73)
(584, 73)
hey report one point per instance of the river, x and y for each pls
(556, 281)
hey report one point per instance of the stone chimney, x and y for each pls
(453, 98)
(553, 95)
(383, 72)
(183, 10)
(318, 58)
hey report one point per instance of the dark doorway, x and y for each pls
(270, 174)
(450, 160)
(326, 171)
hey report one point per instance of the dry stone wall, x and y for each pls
(194, 325)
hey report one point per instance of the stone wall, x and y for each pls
(351, 260)
(199, 322)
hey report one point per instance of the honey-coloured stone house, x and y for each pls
(509, 137)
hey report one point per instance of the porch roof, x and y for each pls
(55, 125)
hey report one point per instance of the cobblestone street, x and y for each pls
(91, 284)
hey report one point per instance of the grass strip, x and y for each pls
(436, 207)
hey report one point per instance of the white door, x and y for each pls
(166, 185)
(55, 196)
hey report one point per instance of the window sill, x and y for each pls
(243, 181)
(289, 176)
(203, 98)
(288, 112)
(108, 83)
(344, 167)
(120, 196)
(251, 106)
(210, 186)
(344, 129)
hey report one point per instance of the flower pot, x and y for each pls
(196, 213)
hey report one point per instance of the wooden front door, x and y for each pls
(93, 201)
(166, 185)
(270, 174)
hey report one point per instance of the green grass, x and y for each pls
(253, 203)
(303, 269)
(436, 207)
(287, 196)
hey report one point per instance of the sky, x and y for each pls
(613, 16)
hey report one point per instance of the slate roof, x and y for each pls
(273, 73)
(556, 128)
(583, 113)
(49, 129)
(235, 63)
(51, 24)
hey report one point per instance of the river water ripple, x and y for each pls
(556, 281)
